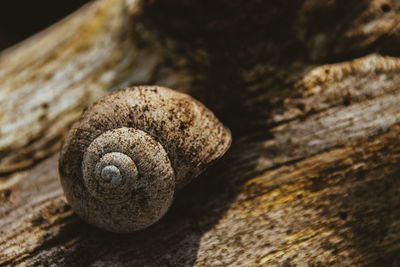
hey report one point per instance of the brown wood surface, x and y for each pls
(309, 88)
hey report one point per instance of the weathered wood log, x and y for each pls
(310, 90)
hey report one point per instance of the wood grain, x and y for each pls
(312, 178)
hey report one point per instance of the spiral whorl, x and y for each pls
(128, 170)
(109, 170)
(109, 177)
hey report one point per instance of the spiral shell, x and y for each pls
(122, 162)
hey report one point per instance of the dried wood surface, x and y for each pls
(310, 90)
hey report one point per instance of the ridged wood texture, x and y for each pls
(309, 88)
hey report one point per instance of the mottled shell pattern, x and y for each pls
(122, 162)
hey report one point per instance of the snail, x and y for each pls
(123, 160)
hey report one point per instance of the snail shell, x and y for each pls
(123, 160)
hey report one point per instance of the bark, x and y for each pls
(308, 88)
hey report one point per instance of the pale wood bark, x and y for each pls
(310, 90)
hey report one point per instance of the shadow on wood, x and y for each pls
(313, 106)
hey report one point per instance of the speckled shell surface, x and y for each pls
(144, 127)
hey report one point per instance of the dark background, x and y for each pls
(19, 19)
